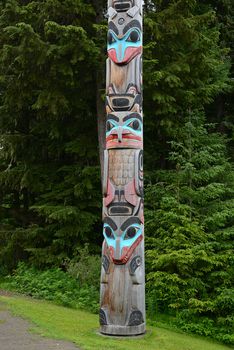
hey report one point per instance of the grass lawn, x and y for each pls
(81, 328)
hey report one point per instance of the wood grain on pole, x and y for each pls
(122, 294)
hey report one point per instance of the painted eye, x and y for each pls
(108, 232)
(135, 125)
(131, 232)
(134, 36)
(110, 38)
(109, 126)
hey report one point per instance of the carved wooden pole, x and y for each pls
(123, 270)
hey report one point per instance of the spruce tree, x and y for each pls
(221, 111)
(185, 68)
(49, 173)
(190, 220)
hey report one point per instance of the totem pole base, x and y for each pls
(123, 331)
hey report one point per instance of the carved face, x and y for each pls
(130, 101)
(124, 130)
(122, 237)
(124, 43)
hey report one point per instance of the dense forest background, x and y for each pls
(52, 122)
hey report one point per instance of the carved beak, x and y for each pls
(120, 52)
(120, 134)
(117, 249)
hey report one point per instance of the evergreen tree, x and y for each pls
(190, 221)
(221, 111)
(185, 68)
(49, 175)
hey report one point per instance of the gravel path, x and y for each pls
(15, 335)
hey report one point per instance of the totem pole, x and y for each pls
(123, 270)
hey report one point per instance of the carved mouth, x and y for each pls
(122, 6)
(124, 258)
(123, 102)
(130, 54)
(125, 137)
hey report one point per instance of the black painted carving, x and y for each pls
(124, 101)
(122, 6)
(136, 318)
(102, 318)
(105, 263)
(135, 263)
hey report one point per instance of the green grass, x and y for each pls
(81, 328)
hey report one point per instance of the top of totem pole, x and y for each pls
(129, 7)
(125, 30)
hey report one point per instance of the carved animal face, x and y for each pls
(122, 237)
(124, 43)
(124, 130)
(130, 101)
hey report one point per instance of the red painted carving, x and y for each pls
(130, 53)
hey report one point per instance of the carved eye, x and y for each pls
(131, 232)
(110, 38)
(109, 126)
(134, 36)
(109, 232)
(135, 125)
(141, 162)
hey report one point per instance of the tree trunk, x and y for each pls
(100, 88)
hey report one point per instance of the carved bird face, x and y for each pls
(122, 237)
(124, 130)
(124, 43)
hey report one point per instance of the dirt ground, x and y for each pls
(15, 335)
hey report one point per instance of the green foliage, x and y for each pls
(49, 174)
(220, 329)
(55, 285)
(85, 268)
(190, 228)
(185, 68)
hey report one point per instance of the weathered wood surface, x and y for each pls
(123, 269)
